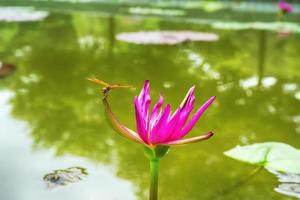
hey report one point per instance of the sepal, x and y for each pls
(156, 152)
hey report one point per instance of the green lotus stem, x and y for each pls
(154, 171)
(154, 155)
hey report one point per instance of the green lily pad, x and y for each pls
(275, 155)
(267, 26)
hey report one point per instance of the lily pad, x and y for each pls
(156, 11)
(278, 156)
(63, 177)
(166, 37)
(21, 14)
(267, 26)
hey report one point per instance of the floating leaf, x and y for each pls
(275, 155)
(21, 14)
(62, 177)
(268, 26)
(166, 37)
(156, 11)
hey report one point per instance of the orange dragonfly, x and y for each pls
(107, 86)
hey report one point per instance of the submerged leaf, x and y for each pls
(275, 155)
(62, 177)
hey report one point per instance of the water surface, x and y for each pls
(51, 117)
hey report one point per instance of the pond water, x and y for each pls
(52, 117)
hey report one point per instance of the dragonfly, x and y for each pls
(107, 87)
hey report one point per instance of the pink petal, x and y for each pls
(144, 100)
(181, 121)
(154, 133)
(186, 108)
(144, 92)
(169, 127)
(187, 97)
(184, 115)
(189, 140)
(156, 108)
(140, 121)
(196, 117)
(184, 111)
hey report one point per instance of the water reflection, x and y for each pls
(23, 165)
(289, 184)
(64, 111)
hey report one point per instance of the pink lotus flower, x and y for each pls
(285, 7)
(157, 129)
(160, 127)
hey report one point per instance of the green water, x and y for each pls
(51, 117)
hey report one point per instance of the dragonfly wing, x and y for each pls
(97, 81)
(121, 86)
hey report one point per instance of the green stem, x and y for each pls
(154, 168)
(154, 155)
